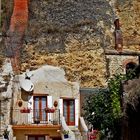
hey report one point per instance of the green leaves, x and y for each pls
(106, 106)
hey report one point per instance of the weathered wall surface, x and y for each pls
(5, 95)
(86, 67)
(117, 64)
(129, 14)
(73, 35)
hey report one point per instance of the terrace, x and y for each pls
(35, 117)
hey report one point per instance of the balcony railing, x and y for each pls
(35, 116)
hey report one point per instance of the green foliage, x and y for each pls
(98, 111)
(114, 85)
(103, 110)
(65, 132)
(115, 94)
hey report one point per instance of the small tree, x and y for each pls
(98, 111)
(103, 109)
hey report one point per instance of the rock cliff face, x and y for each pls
(129, 14)
(73, 34)
(6, 84)
(70, 34)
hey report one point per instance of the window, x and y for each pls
(130, 66)
(36, 137)
(69, 111)
(40, 103)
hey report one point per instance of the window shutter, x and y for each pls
(50, 104)
(49, 101)
(76, 111)
(61, 106)
(30, 105)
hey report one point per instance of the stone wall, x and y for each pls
(117, 64)
(128, 12)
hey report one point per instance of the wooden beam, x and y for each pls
(123, 52)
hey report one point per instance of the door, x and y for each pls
(69, 111)
(40, 103)
(36, 137)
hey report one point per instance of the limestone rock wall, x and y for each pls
(6, 83)
(89, 67)
(70, 34)
(129, 14)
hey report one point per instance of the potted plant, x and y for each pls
(25, 110)
(52, 110)
(36, 120)
(49, 110)
(66, 134)
(6, 134)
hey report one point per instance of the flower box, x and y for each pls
(49, 110)
(25, 110)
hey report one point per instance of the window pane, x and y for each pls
(71, 111)
(65, 110)
(41, 138)
(43, 103)
(31, 138)
(36, 107)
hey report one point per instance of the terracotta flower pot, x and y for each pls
(52, 110)
(24, 110)
(19, 103)
(47, 110)
(55, 104)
